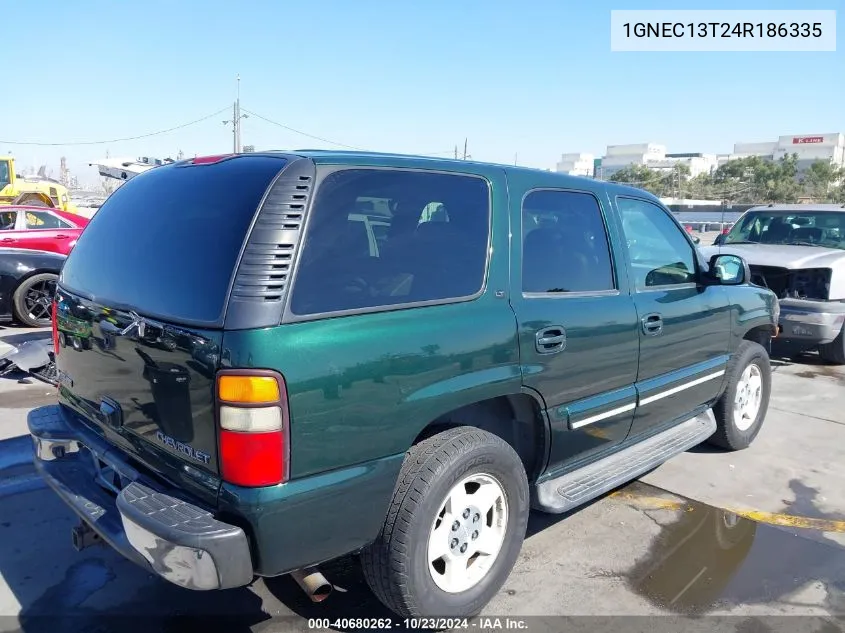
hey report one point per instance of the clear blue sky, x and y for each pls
(535, 78)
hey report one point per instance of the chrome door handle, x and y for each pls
(550, 340)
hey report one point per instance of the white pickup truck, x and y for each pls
(797, 251)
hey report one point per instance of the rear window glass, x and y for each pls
(166, 243)
(378, 238)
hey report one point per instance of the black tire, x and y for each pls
(834, 352)
(728, 435)
(396, 565)
(24, 293)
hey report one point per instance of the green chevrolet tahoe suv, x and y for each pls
(292, 357)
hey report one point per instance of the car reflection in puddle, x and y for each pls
(711, 559)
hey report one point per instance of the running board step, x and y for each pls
(580, 486)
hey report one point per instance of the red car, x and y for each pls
(40, 228)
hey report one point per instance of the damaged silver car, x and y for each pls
(798, 252)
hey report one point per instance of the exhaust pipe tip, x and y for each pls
(313, 583)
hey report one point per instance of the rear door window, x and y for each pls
(425, 239)
(44, 220)
(167, 242)
(565, 246)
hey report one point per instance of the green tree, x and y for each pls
(820, 178)
(639, 176)
(775, 181)
(701, 187)
(754, 179)
(660, 183)
(837, 193)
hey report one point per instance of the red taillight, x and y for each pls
(725, 231)
(252, 459)
(55, 324)
(252, 415)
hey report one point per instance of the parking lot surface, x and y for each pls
(756, 533)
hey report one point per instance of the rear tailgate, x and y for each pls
(141, 307)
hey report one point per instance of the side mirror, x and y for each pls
(729, 270)
(720, 239)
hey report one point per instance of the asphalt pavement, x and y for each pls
(758, 534)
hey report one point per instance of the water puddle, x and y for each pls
(711, 559)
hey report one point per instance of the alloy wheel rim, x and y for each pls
(467, 534)
(38, 300)
(749, 396)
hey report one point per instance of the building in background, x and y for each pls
(812, 147)
(697, 162)
(576, 164)
(809, 148)
(619, 157)
(653, 156)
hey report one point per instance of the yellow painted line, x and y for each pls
(656, 503)
(770, 518)
(788, 520)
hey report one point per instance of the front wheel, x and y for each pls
(741, 409)
(454, 529)
(33, 300)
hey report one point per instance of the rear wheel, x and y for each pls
(33, 300)
(454, 529)
(834, 352)
(741, 409)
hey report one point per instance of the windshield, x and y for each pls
(813, 228)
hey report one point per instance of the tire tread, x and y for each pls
(723, 409)
(385, 572)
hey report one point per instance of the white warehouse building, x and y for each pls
(812, 147)
(576, 164)
(653, 156)
(809, 148)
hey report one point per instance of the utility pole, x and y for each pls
(236, 120)
(456, 152)
(237, 125)
(465, 149)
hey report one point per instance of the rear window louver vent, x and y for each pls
(265, 267)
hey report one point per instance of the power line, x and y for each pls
(326, 140)
(294, 130)
(117, 140)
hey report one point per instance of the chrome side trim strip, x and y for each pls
(679, 388)
(603, 416)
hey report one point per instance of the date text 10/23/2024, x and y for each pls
(480, 624)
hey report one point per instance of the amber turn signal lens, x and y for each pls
(247, 389)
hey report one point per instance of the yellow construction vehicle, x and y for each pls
(35, 190)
